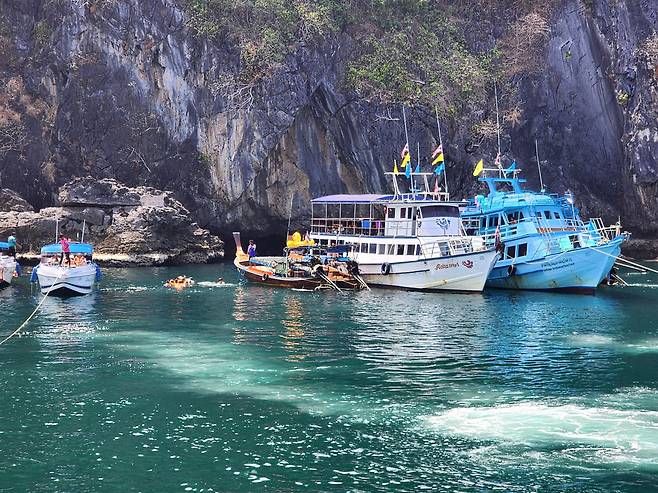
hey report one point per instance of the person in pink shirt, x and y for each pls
(66, 250)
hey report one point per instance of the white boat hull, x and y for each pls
(59, 280)
(7, 270)
(466, 272)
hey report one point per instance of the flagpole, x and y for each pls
(445, 169)
(541, 181)
(404, 117)
(497, 116)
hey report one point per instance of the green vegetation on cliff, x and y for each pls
(412, 51)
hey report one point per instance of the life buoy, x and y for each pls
(386, 268)
(511, 270)
(264, 277)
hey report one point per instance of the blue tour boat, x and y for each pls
(544, 243)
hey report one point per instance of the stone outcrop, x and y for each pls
(128, 226)
(123, 90)
(11, 201)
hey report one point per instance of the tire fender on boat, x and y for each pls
(386, 268)
(511, 270)
(264, 277)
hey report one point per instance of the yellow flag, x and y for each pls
(406, 160)
(395, 169)
(478, 168)
(438, 159)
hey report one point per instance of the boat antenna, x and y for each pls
(292, 197)
(84, 223)
(541, 181)
(497, 118)
(438, 125)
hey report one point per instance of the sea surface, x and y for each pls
(235, 387)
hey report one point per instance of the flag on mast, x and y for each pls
(437, 151)
(479, 167)
(395, 168)
(440, 169)
(405, 160)
(407, 171)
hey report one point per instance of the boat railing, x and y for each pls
(363, 227)
(446, 248)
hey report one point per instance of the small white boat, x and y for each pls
(77, 279)
(7, 270)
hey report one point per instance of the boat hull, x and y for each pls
(467, 272)
(579, 270)
(64, 281)
(265, 277)
(7, 270)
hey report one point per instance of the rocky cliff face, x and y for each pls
(127, 226)
(122, 89)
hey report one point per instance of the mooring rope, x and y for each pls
(27, 320)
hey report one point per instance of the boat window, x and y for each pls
(538, 215)
(410, 249)
(372, 248)
(483, 222)
(417, 249)
(381, 249)
(440, 211)
(391, 213)
(556, 215)
(364, 247)
(575, 241)
(410, 212)
(523, 250)
(547, 214)
(400, 249)
(511, 251)
(521, 216)
(391, 250)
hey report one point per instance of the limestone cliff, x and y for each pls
(123, 89)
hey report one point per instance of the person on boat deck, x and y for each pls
(251, 249)
(66, 250)
(12, 246)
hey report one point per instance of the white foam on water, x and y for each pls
(597, 434)
(642, 285)
(597, 340)
(223, 368)
(211, 284)
(591, 340)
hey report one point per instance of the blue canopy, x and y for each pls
(83, 248)
(4, 245)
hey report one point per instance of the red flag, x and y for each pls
(437, 151)
(405, 151)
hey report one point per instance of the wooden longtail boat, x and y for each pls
(298, 269)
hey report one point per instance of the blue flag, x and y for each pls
(417, 170)
(407, 171)
(440, 169)
(511, 168)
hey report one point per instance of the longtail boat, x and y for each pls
(304, 266)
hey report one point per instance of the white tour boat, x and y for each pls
(76, 279)
(405, 240)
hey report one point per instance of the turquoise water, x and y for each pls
(243, 388)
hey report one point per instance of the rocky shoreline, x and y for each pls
(138, 226)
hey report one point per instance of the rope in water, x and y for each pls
(27, 320)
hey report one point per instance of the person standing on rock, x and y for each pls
(251, 249)
(66, 250)
(12, 246)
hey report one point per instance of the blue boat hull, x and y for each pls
(581, 269)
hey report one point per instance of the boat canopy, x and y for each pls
(367, 198)
(4, 245)
(83, 248)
